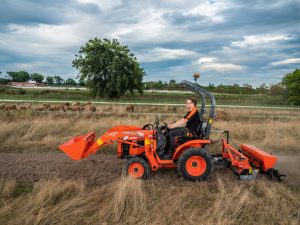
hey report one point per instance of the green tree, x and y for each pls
(49, 80)
(37, 77)
(58, 80)
(292, 82)
(263, 89)
(109, 68)
(211, 86)
(276, 89)
(4, 80)
(172, 83)
(82, 82)
(20, 76)
(70, 82)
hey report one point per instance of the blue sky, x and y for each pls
(227, 42)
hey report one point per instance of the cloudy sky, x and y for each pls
(225, 41)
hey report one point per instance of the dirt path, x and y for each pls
(101, 169)
(28, 167)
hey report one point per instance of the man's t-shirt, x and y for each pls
(193, 120)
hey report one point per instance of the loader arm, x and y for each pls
(81, 146)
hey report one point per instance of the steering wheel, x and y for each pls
(148, 126)
(165, 127)
(156, 123)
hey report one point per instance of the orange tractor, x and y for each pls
(144, 148)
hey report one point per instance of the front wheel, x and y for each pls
(138, 168)
(195, 164)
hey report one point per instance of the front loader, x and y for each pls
(145, 149)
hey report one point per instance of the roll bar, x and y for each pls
(203, 103)
(200, 91)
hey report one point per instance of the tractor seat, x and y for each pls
(201, 129)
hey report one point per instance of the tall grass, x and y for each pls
(128, 201)
(221, 200)
(277, 131)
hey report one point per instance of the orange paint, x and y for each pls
(195, 166)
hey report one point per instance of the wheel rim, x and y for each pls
(136, 170)
(195, 166)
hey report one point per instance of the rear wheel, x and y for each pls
(138, 168)
(195, 164)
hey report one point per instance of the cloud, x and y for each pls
(228, 41)
(103, 4)
(164, 54)
(211, 10)
(286, 61)
(213, 64)
(223, 67)
(254, 40)
(205, 60)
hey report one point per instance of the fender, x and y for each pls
(187, 145)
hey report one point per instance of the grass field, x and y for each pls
(149, 97)
(43, 131)
(39, 185)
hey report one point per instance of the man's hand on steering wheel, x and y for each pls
(164, 128)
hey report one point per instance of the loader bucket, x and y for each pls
(76, 147)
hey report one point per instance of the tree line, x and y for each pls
(109, 69)
(24, 76)
(289, 87)
(272, 89)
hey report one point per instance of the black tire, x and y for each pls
(186, 155)
(140, 161)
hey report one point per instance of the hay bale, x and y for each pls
(46, 105)
(153, 109)
(87, 103)
(75, 104)
(27, 106)
(222, 115)
(2, 106)
(130, 108)
(75, 108)
(10, 107)
(41, 108)
(89, 108)
(21, 107)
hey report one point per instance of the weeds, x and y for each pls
(128, 201)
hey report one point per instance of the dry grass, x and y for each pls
(221, 200)
(274, 136)
(128, 201)
(276, 131)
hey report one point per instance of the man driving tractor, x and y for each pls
(191, 121)
(140, 146)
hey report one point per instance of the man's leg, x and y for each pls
(176, 132)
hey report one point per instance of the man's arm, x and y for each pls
(177, 123)
(184, 120)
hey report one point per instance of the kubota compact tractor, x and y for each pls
(144, 148)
